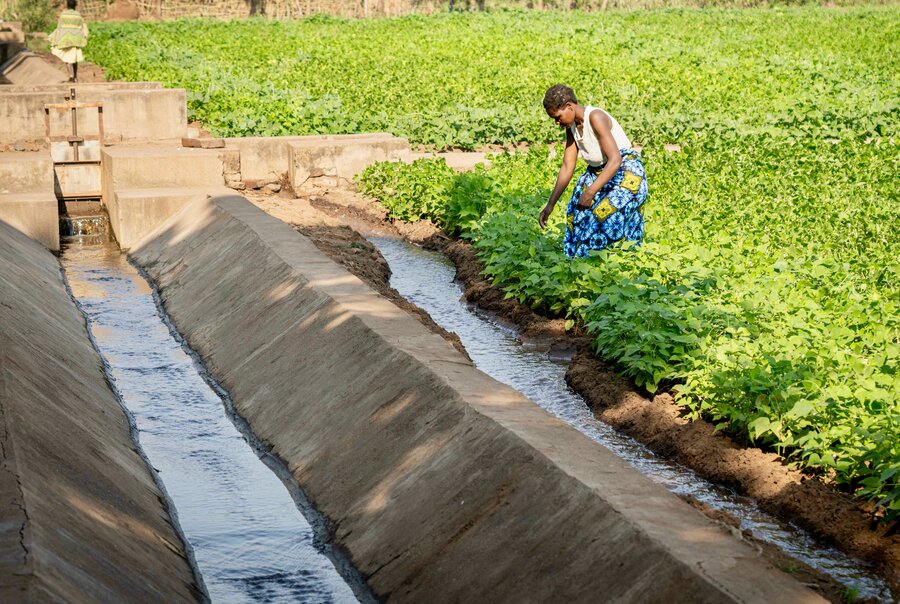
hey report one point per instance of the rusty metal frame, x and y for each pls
(74, 138)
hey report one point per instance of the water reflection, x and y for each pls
(427, 279)
(250, 541)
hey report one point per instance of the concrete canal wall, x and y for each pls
(442, 484)
(81, 518)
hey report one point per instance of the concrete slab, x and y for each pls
(81, 517)
(26, 68)
(134, 213)
(35, 215)
(442, 484)
(267, 158)
(80, 87)
(129, 114)
(159, 166)
(22, 172)
(336, 162)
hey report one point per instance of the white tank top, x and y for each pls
(589, 145)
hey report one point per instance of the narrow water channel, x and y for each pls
(250, 541)
(427, 279)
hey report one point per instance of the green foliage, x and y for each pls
(768, 288)
(467, 80)
(766, 291)
(35, 15)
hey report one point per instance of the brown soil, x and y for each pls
(345, 246)
(831, 516)
(87, 72)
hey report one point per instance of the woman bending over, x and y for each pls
(606, 204)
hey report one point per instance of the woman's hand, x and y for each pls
(545, 214)
(586, 200)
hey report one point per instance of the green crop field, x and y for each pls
(767, 292)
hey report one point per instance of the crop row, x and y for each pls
(767, 291)
(467, 80)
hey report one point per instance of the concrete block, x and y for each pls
(81, 517)
(159, 166)
(129, 114)
(336, 162)
(134, 213)
(33, 214)
(22, 172)
(266, 158)
(26, 68)
(202, 143)
(443, 484)
(81, 88)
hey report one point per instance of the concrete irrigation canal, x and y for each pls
(225, 413)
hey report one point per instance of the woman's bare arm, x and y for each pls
(570, 155)
(602, 125)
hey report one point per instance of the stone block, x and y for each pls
(336, 162)
(23, 172)
(203, 143)
(266, 158)
(33, 214)
(159, 166)
(135, 212)
(129, 113)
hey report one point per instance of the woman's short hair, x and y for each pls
(557, 96)
(71, 4)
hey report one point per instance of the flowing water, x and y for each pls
(240, 516)
(427, 280)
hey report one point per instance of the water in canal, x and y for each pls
(427, 280)
(249, 539)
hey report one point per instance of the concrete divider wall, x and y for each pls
(332, 163)
(266, 158)
(129, 114)
(27, 200)
(442, 484)
(81, 518)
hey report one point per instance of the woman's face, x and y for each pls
(564, 117)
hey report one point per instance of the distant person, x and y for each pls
(69, 38)
(606, 204)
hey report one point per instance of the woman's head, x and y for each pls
(71, 4)
(559, 103)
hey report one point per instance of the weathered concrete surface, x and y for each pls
(26, 68)
(267, 158)
(81, 519)
(27, 201)
(22, 172)
(129, 113)
(81, 88)
(442, 484)
(133, 213)
(333, 163)
(35, 215)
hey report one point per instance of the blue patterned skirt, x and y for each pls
(616, 213)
